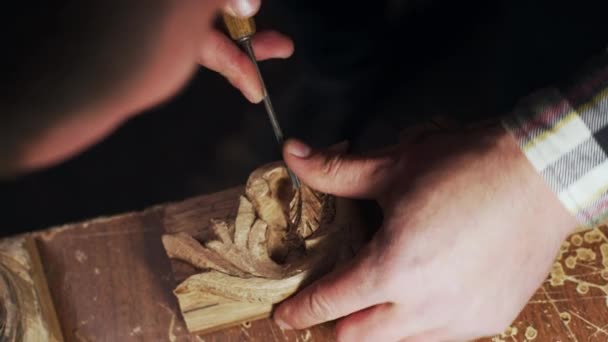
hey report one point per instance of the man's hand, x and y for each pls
(219, 53)
(469, 233)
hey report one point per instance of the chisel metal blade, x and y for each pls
(278, 133)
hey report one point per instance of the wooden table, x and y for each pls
(111, 281)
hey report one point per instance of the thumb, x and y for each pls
(334, 172)
(243, 8)
(336, 295)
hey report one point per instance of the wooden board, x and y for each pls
(111, 281)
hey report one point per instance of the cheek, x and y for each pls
(66, 139)
(91, 125)
(167, 68)
(174, 55)
(172, 61)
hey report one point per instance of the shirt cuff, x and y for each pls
(565, 137)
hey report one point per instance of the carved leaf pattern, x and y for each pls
(271, 217)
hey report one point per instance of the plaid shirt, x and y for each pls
(564, 134)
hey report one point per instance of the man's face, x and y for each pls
(177, 41)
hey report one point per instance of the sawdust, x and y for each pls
(557, 276)
(583, 257)
(135, 331)
(582, 254)
(96, 271)
(570, 262)
(593, 236)
(80, 256)
(531, 333)
(585, 254)
(306, 336)
(563, 249)
(509, 332)
(582, 288)
(604, 251)
(576, 240)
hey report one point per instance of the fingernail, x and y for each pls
(243, 8)
(283, 325)
(298, 149)
(253, 96)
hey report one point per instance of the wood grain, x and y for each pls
(111, 281)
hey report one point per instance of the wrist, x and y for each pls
(550, 211)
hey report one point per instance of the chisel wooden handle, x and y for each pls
(239, 28)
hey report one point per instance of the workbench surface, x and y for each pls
(111, 280)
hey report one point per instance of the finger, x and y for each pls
(385, 322)
(222, 55)
(243, 8)
(341, 174)
(336, 295)
(373, 324)
(272, 44)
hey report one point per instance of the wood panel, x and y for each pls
(111, 281)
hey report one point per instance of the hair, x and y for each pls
(58, 55)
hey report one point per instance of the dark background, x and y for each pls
(363, 70)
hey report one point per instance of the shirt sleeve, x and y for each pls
(564, 134)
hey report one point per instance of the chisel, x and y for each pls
(242, 30)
